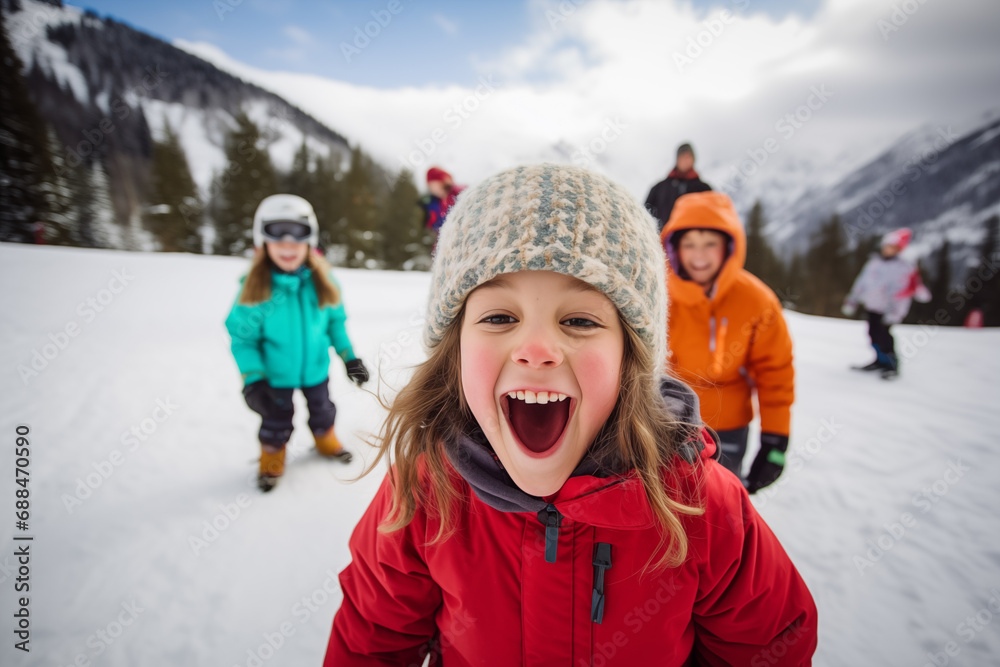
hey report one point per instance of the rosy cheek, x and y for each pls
(599, 377)
(480, 370)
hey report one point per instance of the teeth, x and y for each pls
(541, 397)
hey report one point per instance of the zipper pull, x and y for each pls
(602, 563)
(551, 519)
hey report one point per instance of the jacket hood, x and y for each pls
(704, 210)
(473, 458)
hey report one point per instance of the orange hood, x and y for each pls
(704, 210)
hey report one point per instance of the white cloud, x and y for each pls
(446, 24)
(298, 35)
(623, 62)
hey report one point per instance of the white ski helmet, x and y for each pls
(284, 207)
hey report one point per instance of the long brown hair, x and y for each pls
(431, 410)
(257, 285)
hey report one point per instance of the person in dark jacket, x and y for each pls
(552, 495)
(681, 180)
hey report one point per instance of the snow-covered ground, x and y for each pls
(152, 546)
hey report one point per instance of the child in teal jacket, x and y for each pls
(288, 313)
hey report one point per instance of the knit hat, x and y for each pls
(553, 218)
(685, 148)
(437, 174)
(898, 237)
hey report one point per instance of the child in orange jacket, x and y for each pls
(727, 333)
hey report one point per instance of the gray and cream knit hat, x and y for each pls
(552, 218)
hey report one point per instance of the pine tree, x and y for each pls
(399, 227)
(987, 298)
(249, 176)
(91, 214)
(299, 180)
(941, 285)
(107, 233)
(59, 194)
(25, 167)
(796, 279)
(328, 202)
(761, 258)
(361, 211)
(174, 214)
(828, 279)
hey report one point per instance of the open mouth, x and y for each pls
(537, 419)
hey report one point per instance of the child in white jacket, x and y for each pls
(885, 287)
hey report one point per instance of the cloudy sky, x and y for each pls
(819, 86)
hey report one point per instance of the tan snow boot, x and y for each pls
(272, 466)
(328, 445)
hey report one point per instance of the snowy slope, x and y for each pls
(199, 104)
(269, 571)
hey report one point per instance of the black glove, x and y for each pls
(356, 371)
(769, 463)
(259, 397)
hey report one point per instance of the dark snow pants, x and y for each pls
(733, 446)
(882, 340)
(276, 427)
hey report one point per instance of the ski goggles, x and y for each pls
(281, 230)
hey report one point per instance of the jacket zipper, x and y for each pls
(551, 519)
(602, 563)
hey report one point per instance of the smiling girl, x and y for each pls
(286, 317)
(553, 498)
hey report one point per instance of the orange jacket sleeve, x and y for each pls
(769, 363)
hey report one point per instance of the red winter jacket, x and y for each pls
(487, 596)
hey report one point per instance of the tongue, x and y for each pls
(538, 426)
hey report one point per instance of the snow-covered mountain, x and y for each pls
(108, 89)
(941, 180)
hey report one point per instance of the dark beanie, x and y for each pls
(685, 148)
